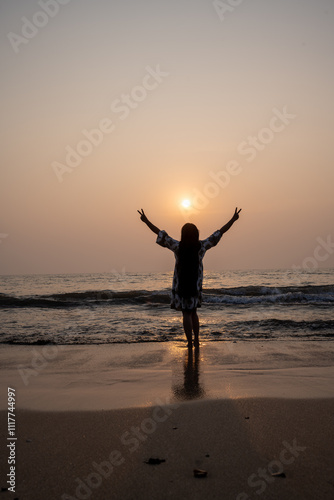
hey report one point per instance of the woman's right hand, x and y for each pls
(236, 214)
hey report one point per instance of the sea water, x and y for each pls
(134, 307)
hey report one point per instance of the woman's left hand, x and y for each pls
(142, 215)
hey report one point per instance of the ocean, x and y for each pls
(120, 308)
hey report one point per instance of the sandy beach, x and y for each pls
(256, 417)
(167, 181)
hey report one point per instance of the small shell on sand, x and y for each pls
(278, 474)
(200, 473)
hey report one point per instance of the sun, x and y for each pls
(186, 203)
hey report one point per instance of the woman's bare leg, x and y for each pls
(188, 326)
(195, 325)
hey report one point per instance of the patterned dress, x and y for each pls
(190, 303)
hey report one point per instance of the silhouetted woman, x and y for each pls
(188, 271)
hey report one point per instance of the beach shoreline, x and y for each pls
(86, 377)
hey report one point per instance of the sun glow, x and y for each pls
(186, 203)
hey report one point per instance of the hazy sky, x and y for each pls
(223, 103)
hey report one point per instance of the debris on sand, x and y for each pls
(200, 473)
(278, 474)
(155, 461)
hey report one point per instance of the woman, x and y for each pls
(188, 271)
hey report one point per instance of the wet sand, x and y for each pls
(94, 377)
(90, 418)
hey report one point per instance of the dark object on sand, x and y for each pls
(278, 474)
(200, 473)
(155, 461)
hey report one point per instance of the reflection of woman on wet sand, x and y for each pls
(188, 271)
(190, 387)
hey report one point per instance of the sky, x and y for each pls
(108, 107)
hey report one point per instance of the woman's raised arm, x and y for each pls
(230, 222)
(143, 217)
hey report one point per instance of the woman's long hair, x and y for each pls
(188, 260)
